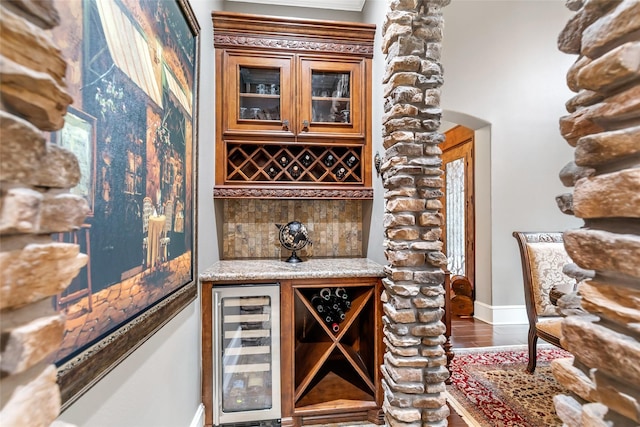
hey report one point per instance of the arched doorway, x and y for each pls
(480, 188)
(458, 209)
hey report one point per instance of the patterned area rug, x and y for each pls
(490, 388)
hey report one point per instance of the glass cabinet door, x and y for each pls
(331, 97)
(258, 94)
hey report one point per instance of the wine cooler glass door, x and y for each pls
(248, 371)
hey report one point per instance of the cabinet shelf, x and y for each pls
(335, 368)
(259, 95)
(310, 357)
(330, 99)
(356, 360)
(334, 384)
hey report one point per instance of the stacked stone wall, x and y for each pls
(603, 125)
(414, 370)
(35, 202)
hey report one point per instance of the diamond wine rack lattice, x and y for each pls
(294, 163)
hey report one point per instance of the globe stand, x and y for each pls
(294, 258)
(293, 237)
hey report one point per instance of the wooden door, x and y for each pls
(331, 97)
(258, 92)
(459, 214)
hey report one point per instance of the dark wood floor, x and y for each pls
(467, 332)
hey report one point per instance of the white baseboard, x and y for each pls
(198, 418)
(500, 314)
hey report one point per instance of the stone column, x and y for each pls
(34, 202)
(604, 127)
(414, 369)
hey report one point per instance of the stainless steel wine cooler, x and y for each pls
(246, 354)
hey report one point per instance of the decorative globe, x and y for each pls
(293, 236)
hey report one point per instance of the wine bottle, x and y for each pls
(237, 391)
(251, 325)
(325, 293)
(255, 384)
(317, 302)
(255, 391)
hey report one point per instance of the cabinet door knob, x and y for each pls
(305, 125)
(285, 125)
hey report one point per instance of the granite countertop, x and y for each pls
(273, 269)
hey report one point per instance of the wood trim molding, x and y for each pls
(254, 31)
(292, 193)
(78, 375)
(223, 40)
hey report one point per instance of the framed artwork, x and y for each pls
(133, 72)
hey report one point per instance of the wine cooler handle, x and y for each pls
(217, 357)
(285, 125)
(305, 125)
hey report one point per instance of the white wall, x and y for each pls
(374, 12)
(293, 12)
(156, 386)
(502, 66)
(505, 78)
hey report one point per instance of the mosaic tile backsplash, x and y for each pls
(334, 226)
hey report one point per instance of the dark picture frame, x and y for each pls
(135, 71)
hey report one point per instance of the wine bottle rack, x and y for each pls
(241, 353)
(334, 364)
(313, 164)
(246, 368)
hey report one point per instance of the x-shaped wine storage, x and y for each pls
(335, 359)
(313, 164)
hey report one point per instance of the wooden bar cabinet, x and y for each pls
(293, 114)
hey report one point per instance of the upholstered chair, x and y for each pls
(543, 257)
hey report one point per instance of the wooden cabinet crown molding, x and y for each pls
(292, 193)
(314, 36)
